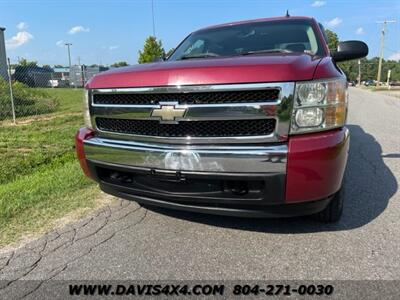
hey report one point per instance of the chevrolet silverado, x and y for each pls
(244, 119)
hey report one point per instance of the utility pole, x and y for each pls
(69, 54)
(152, 14)
(69, 62)
(385, 22)
(359, 72)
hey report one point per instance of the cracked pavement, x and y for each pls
(126, 241)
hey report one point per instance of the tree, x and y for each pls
(333, 39)
(369, 67)
(169, 52)
(152, 50)
(119, 64)
(26, 63)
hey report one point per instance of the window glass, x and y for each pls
(289, 36)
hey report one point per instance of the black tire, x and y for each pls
(333, 211)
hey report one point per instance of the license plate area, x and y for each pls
(178, 184)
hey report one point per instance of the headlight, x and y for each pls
(311, 93)
(309, 117)
(86, 113)
(319, 105)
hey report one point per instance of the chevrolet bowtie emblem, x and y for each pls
(168, 113)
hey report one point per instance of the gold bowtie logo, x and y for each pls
(168, 113)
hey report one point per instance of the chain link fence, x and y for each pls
(25, 90)
(23, 94)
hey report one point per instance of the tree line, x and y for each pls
(369, 67)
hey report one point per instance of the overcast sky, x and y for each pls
(106, 31)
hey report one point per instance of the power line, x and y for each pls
(385, 22)
(152, 14)
(391, 50)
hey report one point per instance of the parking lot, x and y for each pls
(126, 241)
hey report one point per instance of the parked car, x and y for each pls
(352, 83)
(53, 83)
(370, 82)
(244, 119)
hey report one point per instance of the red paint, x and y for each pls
(81, 135)
(316, 164)
(268, 68)
(327, 69)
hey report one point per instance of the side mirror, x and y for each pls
(350, 50)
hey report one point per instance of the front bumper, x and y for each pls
(234, 194)
(216, 159)
(261, 210)
(238, 180)
(277, 180)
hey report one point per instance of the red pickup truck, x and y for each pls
(244, 119)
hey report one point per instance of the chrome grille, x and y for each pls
(221, 128)
(214, 114)
(252, 96)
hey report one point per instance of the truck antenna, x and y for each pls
(287, 13)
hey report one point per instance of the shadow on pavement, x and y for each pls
(369, 184)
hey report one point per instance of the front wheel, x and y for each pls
(333, 211)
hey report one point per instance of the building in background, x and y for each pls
(3, 57)
(33, 76)
(60, 77)
(80, 74)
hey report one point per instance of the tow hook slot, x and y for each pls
(168, 176)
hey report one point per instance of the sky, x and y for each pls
(106, 31)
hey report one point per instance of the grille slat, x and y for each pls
(223, 128)
(251, 96)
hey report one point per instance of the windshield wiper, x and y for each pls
(201, 55)
(266, 51)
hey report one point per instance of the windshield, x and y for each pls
(285, 36)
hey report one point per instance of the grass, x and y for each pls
(374, 88)
(70, 99)
(40, 178)
(27, 101)
(25, 148)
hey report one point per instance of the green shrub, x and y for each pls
(27, 101)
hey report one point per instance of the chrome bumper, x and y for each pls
(225, 159)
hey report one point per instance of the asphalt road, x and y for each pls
(125, 241)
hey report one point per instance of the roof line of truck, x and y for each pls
(256, 21)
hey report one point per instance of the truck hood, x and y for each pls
(244, 69)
